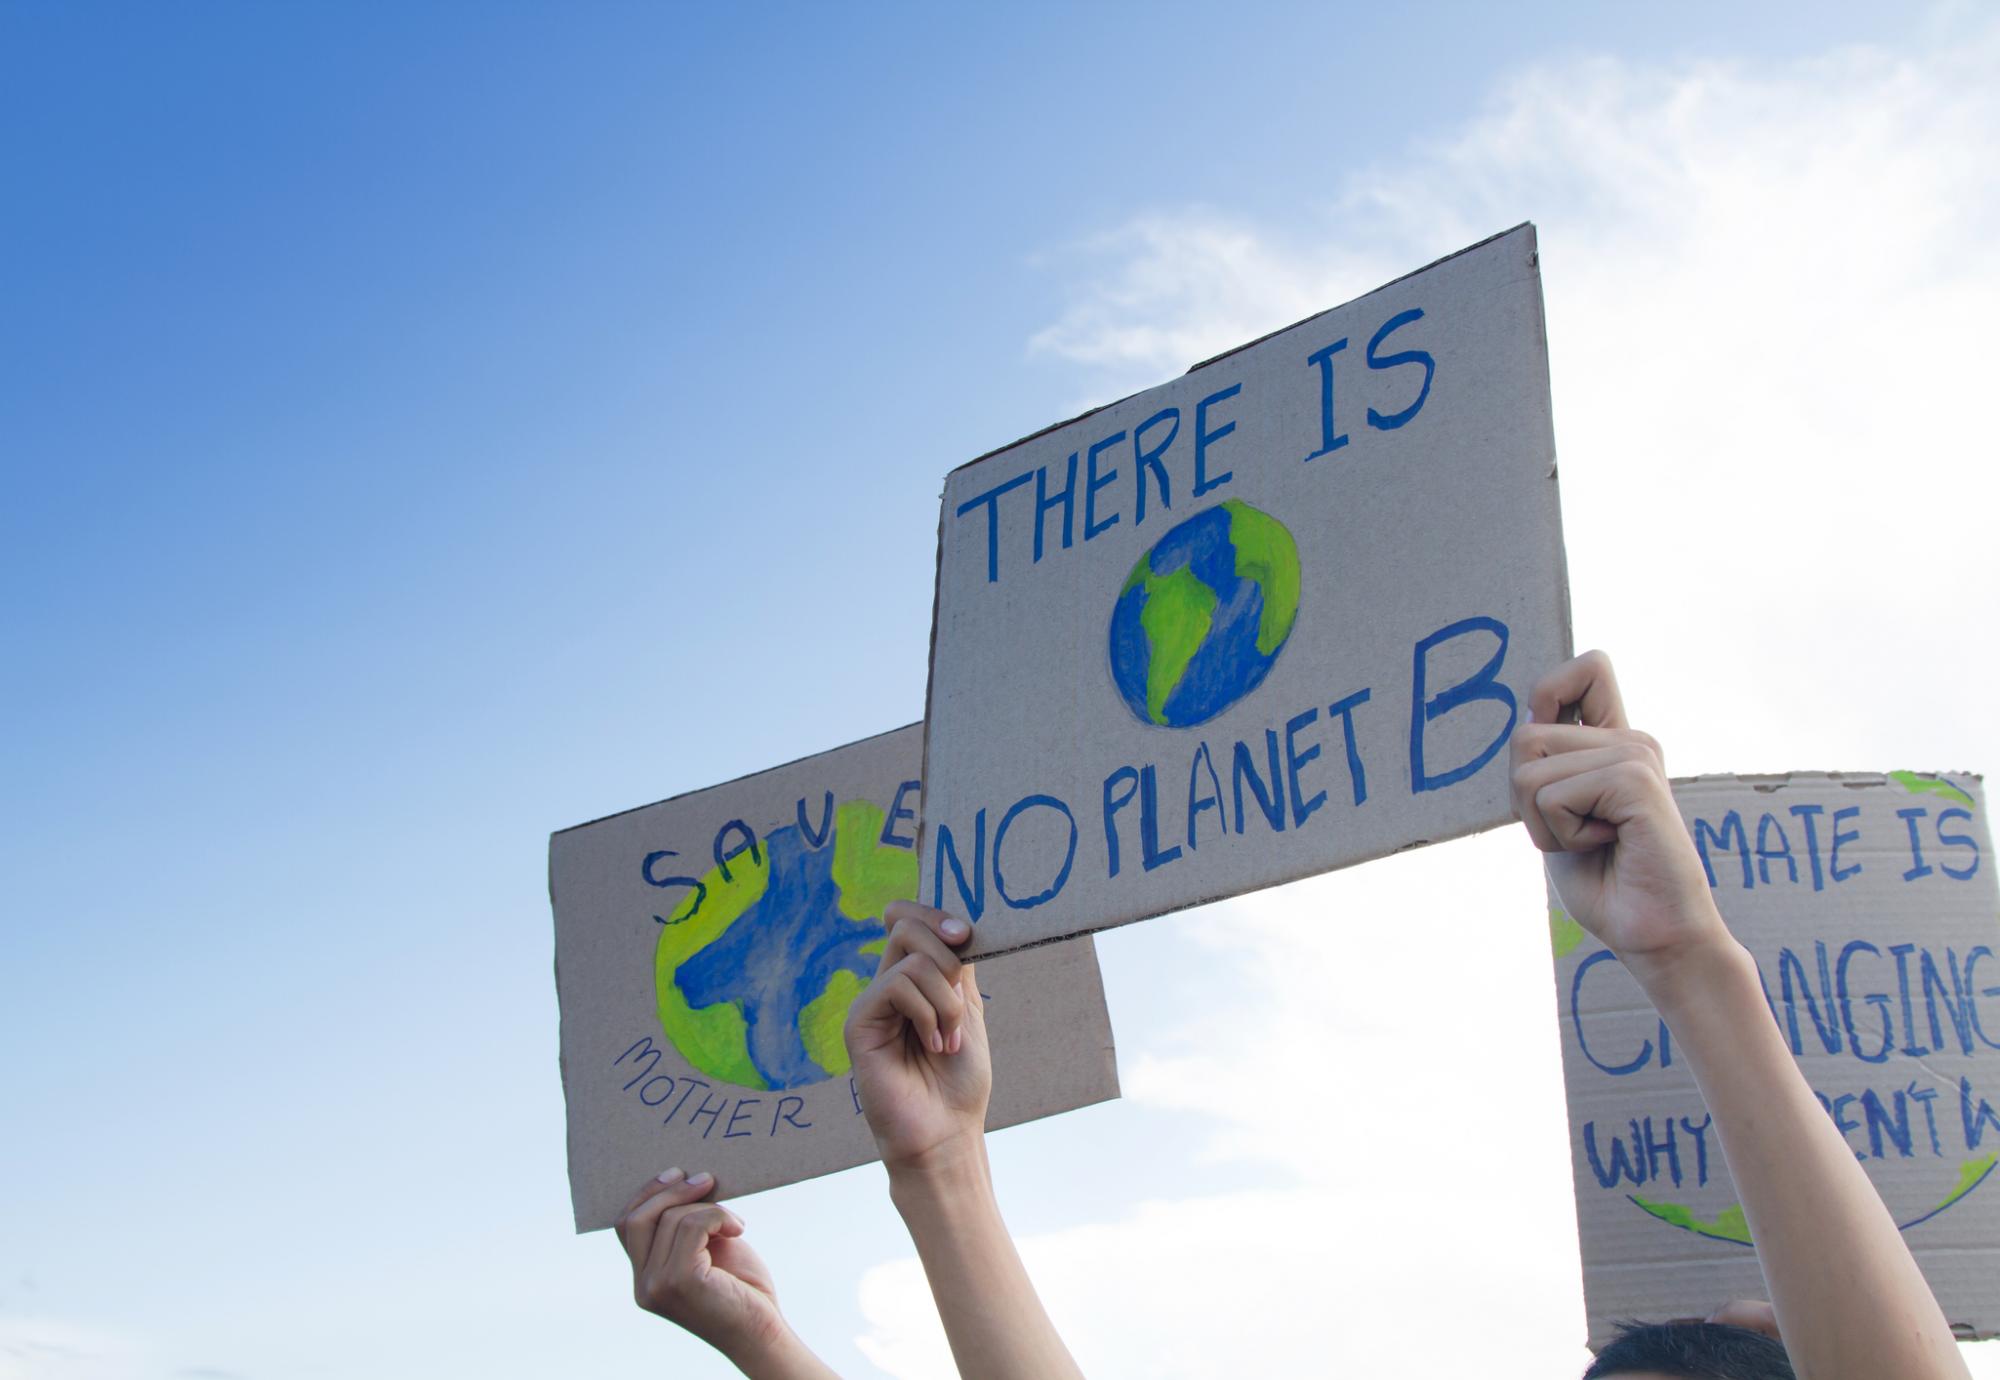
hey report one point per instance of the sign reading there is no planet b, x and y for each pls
(1274, 617)
(1869, 904)
(708, 948)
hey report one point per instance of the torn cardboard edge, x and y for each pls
(1768, 782)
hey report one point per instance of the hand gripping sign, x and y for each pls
(1869, 904)
(707, 950)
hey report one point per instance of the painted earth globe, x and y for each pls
(1204, 615)
(756, 968)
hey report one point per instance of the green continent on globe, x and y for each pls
(1266, 556)
(713, 1038)
(1203, 615)
(755, 970)
(1730, 1224)
(1179, 608)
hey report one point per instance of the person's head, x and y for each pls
(1690, 1351)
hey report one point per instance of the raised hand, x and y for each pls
(923, 1071)
(691, 1265)
(917, 1037)
(1595, 798)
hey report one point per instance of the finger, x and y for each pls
(1532, 741)
(1539, 832)
(1584, 811)
(679, 1257)
(948, 927)
(900, 999)
(1547, 740)
(914, 937)
(1534, 775)
(637, 1227)
(913, 993)
(652, 1186)
(1537, 772)
(686, 1228)
(873, 1008)
(975, 1002)
(944, 997)
(1754, 1314)
(1585, 682)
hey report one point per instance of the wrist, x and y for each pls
(956, 1161)
(952, 1173)
(774, 1352)
(1693, 978)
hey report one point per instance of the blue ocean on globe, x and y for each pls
(1204, 615)
(756, 969)
(779, 956)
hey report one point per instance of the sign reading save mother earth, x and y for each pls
(707, 950)
(1869, 904)
(1271, 618)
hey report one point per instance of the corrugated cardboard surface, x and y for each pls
(1888, 882)
(636, 1102)
(1437, 511)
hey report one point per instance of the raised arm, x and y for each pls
(923, 1070)
(1849, 1298)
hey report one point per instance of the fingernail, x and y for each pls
(955, 929)
(937, 1043)
(671, 1176)
(1529, 715)
(734, 1218)
(957, 1039)
(701, 1179)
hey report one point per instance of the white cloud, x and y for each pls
(1770, 293)
(1239, 1290)
(1188, 286)
(1769, 296)
(1358, 1025)
(42, 1348)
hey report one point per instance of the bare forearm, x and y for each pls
(1850, 1300)
(995, 1321)
(787, 1358)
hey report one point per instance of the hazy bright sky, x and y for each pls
(428, 426)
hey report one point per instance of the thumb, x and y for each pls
(975, 1000)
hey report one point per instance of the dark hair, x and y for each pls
(1694, 1350)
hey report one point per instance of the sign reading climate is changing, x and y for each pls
(1271, 618)
(1869, 904)
(708, 948)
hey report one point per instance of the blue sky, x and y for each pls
(427, 427)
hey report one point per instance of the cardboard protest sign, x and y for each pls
(707, 950)
(1271, 618)
(1870, 906)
